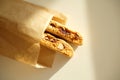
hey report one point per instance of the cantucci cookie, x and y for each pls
(56, 44)
(63, 32)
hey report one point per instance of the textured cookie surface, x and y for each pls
(56, 44)
(63, 32)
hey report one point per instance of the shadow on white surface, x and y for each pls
(104, 20)
(12, 70)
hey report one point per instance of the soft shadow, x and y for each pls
(13, 70)
(104, 22)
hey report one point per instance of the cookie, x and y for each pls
(56, 44)
(63, 32)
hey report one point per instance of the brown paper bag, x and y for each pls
(22, 25)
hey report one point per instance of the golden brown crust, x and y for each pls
(56, 44)
(62, 31)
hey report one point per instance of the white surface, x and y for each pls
(98, 59)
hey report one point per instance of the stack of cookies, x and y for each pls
(58, 37)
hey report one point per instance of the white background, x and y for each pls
(98, 21)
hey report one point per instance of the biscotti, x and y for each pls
(56, 44)
(63, 32)
(58, 38)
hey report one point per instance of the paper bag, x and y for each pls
(22, 25)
